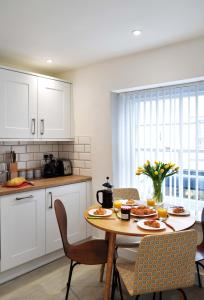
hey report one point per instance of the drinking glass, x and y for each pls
(162, 213)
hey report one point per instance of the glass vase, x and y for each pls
(157, 192)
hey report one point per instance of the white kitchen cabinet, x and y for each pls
(74, 198)
(22, 228)
(54, 109)
(34, 107)
(18, 102)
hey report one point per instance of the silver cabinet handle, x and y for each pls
(51, 206)
(26, 197)
(33, 126)
(42, 126)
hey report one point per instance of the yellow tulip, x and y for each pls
(162, 171)
(166, 166)
(156, 162)
(138, 173)
(155, 173)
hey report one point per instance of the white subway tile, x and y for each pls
(4, 149)
(45, 148)
(21, 165)
(78, 164)
(60, 147)
(55, 147)
(19, 149)
(63, 155)
(78, 148)
(87, 148)
(87, 165)
(25, 157)
(85, 172)
(75, 171)
(38, 156)
(33, 148)
(68, 148)
(33, 164)
(73, 155)
(85, 156)
(84, 140)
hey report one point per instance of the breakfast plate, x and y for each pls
(144, 215)
(185, 213)
(146, 227)
(92, 212)
(130, 202)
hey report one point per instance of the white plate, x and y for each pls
(185, 213)
(144, 216)
(107, 213)
(143, 226)
(135, 203)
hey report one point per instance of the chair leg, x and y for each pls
(119, 284)
(137, 297)
(183, 294)
(160, 295)
(102, 272)
(70, 277)
(198, 272)
(114, 283)
(154, 296)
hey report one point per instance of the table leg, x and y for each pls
(111, 251)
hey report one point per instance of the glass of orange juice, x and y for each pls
(117, 204)
(162, 213)
(151, 202)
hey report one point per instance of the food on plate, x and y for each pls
(178, 210)
(100, 211)
(152, 223)
(142, 210)
(15, 181)
(130, 202)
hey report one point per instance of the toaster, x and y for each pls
(64, 167)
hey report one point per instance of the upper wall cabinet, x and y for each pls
(34, 107)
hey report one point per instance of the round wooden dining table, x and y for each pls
(113, 225)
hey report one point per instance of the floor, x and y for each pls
(48, 283)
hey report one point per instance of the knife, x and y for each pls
(99, 218)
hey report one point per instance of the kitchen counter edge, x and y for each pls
(45, 183)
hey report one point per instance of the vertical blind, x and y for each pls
(164, 124)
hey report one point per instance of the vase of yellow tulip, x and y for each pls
(157, 172)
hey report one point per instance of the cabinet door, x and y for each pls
(22, 228)
(54, 109)
(18, 102)
(74, 199)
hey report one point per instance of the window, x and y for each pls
(166, 124)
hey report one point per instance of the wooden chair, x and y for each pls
(163, 262)
(89, 253)
(121, 240)
(200, 252)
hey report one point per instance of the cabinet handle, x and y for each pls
(33, 126)
(51, 206)
(42, 126)
(26, 197)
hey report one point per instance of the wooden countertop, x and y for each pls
(45, 183)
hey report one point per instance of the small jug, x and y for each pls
(107, 195)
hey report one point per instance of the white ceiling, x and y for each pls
(75, 33)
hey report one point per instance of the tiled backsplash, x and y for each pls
(30, 154)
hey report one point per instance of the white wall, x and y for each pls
(93, 84)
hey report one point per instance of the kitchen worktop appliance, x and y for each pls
(52, 167)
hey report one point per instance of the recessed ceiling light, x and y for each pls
(136, 32)
(49, 61)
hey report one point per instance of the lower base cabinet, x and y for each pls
(28, 224)
(22, 228)
(74, 199)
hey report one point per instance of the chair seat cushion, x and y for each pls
(123, 241)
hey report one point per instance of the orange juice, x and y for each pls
(151, 202)
(162, 212)
(117, 204)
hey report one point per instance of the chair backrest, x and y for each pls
(126, 193)
(62, 223)
(202, 224)
(165, 262)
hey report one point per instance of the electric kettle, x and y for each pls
(107, 195)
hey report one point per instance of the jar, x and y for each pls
(125, 213)
(22, 173)
(37, 173)
(29, 174)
